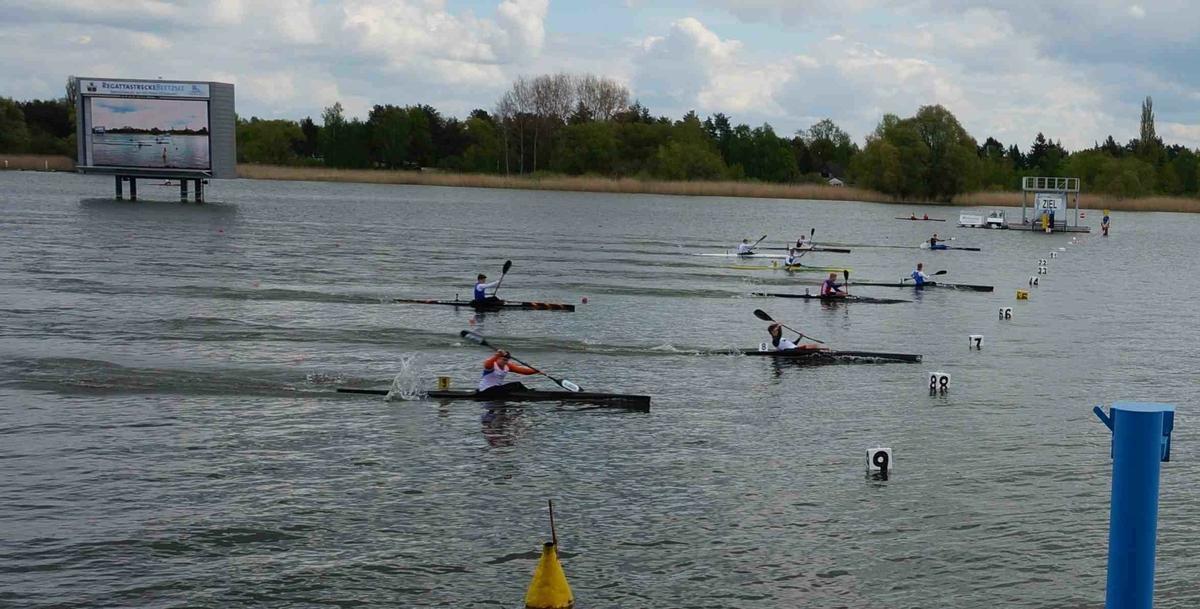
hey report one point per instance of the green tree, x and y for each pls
(268, 141)
(588, 147)
(14, 135)
(952, 165)
(391, 136)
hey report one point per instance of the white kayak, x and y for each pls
(737, 255)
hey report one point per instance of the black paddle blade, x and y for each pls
(761, 314)
(941, 272)
(846, 274)
(812, 231)
(507, 265)
(473, 337)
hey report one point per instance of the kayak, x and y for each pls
(493, 306)
(923, 219)
(815, 248)
(928, 284)
(791, 268)
(833, 299)
(827, 356)
(607, 400)
(926, 246)
(737, 255)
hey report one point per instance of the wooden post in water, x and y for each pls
(183, 191)
(132, 188)
(120, 187)
(199, 190)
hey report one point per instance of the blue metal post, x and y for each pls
(1141, 439)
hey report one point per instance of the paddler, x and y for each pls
(934, 241)
(830, 288)
(1104, 223)
(782, 344)
(800, 244)
(926, 217)
(745, 248)
(792, 259)
(912, 216)
(481, 288)
(495, 368)
(918, 276)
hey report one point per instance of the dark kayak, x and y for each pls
(928, 284)
(827, 356)
(833, 299)
(607, 400)
(493, 305)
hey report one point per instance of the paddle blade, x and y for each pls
(569, 386)
(473, 337)
(812, 231)
(846, 274)
(941, 272)
(761, 314)
(507, 266)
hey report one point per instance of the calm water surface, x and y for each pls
(170, 435)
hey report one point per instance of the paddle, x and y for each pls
(761, 314)
(480, 340)
(507, 265)
(846, 278)
(755, 244)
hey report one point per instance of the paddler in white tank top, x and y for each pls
(745, 248)
(792, 258)
(495, 368)
(782, 344)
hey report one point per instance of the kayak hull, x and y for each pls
(833, 299)
(928, 284)
(827, 356)
(608, 400)
(491, 306)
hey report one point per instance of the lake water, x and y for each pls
(170, 435)
(148, 150)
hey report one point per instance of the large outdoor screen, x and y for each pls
(156, 127)
(166, 133)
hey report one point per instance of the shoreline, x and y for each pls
(753, 190)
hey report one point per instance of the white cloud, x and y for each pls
(1137, 11)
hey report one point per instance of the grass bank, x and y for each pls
(567, 183)
(36, 162)
(1086, 200)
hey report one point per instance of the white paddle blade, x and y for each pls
(471, 336)
(569, 386)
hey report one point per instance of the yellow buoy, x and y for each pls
(549, 588)
(1022, 294)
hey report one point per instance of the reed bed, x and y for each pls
(37, 162)
(1086, 201)
(566, 183)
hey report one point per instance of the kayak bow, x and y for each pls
(833, 299)
(928, 284)
(827, 356)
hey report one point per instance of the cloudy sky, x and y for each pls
(1076, 70)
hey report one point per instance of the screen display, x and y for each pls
(147, 133)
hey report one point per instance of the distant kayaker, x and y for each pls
(1104, 223)
(792, 258)
(745, 248)
(830, 288)
(919, 277)
(495, 368)
(801, 245)
(912, 216)
(481, 288)
(925, 217)
(934, 241)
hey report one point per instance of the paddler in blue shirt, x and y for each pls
(918, 276)
(792, 259)
(830, 288)
(481, 288)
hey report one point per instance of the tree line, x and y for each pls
(586, 125)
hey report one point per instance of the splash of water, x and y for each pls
(408, 383)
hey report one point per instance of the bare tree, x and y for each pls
(602, 98)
